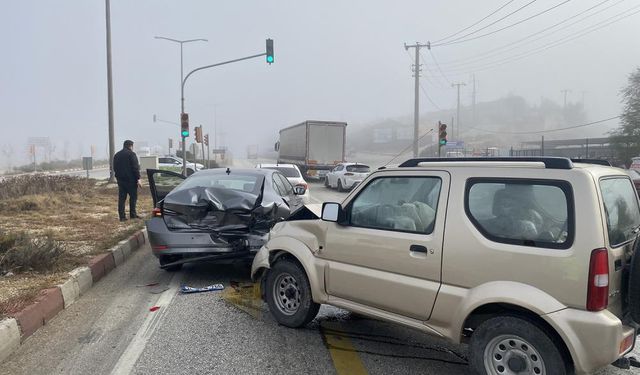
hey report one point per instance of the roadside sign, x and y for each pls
(87, 163)
(455, 144)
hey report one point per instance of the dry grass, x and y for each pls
(69, 218)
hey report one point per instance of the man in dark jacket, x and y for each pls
(127, 171)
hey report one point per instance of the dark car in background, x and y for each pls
(216, 215)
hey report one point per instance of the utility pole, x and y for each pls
(458, 110)
(475, 116)
(202, 144)
(565, 91)
(416, 106)
(112, 141)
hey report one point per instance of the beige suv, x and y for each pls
(528, 260)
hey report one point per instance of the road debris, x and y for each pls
(150, 284)
(154, 308)
(210, 288)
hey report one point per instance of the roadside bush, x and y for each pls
(22, 252)
(37, 184)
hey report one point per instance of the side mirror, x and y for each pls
(276, 147)
(332, 212)
(299, 190)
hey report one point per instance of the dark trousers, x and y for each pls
(130, 189)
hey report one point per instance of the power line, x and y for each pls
(490, 53)
(556, 43)
(546, 131)
(429, 98)
(407, 149)
(489, 25)
(461, 40)
(472, 25)
(438, 66)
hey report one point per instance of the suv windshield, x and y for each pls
(358, 168)
(621, 209)
(286, 171)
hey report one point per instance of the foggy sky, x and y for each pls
(334, 60)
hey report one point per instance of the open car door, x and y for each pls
(161, 182)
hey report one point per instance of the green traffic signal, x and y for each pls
(269, 53)
(185, 133)
(443, 142)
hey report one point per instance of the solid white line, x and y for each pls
(130, 356)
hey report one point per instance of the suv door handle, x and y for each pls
(418, 249)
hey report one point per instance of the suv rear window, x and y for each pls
(536, 213)
(621, 209)
(358, 168)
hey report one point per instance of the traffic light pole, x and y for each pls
(184, 81)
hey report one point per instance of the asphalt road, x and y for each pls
(111, 330)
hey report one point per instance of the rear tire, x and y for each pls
(166, 259)
(288, 295)
(509, 343)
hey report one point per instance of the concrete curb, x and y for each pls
(14, 330)
(9, 337)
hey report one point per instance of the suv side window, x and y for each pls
(338, 168)
(406, 204)
(536, 213)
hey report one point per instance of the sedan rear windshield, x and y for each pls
(286, 171)
(246, 183)
(621, 209)
(358, 168)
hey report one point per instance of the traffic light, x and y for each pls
(206, 139)
(184, 125)
(442, 134)
(270, 51)
(198, 130)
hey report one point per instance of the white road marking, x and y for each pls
(130, 356)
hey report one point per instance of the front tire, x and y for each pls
(288, 295)
(326, 182)
(512, 345)
(340, 188)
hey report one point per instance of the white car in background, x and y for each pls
(346, 176)
(173, 163)
(292, 173)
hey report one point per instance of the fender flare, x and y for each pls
(313, 267)
(503, 292)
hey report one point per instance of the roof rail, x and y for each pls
(549, 161)
(592, 161)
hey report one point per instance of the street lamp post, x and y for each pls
(182, 42)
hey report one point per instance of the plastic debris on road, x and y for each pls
(210, 288)
(154, 308)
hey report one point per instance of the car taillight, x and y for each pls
(598, 288)
(303, 184)
(348, 174)
(156, 212)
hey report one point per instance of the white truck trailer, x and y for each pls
(314, 146)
